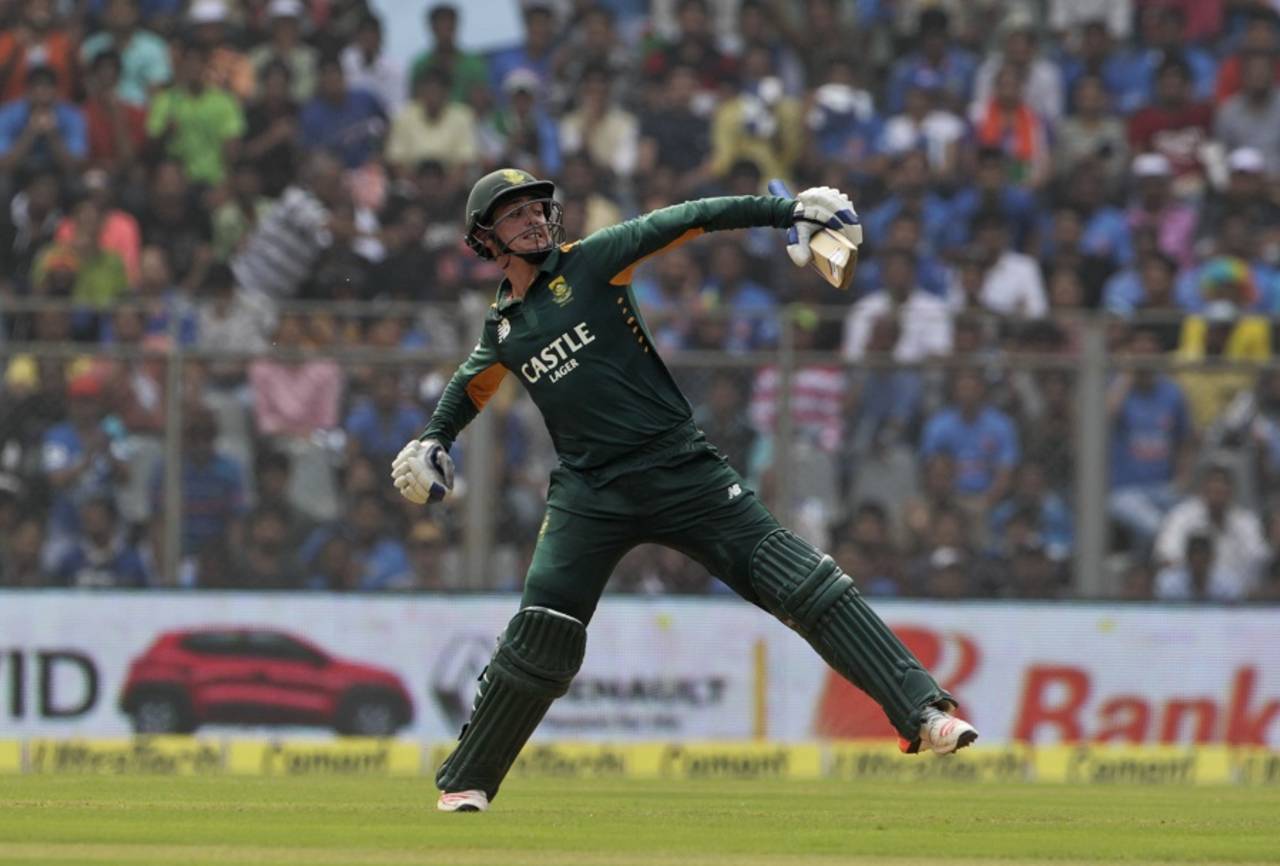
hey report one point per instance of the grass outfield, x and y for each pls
(322, 822)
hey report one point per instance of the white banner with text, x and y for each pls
(676, 669)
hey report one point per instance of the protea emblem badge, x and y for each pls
(561, 292)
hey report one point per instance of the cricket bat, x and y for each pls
(834, 255)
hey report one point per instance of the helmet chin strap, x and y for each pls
(536, 257)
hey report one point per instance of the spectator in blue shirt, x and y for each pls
(1163, 26)
(535, 53)
(886, 400)
(213, 498)
(911, 192)
(936, 53)
(379, 424)
(1123, 74)
(1151, 438)
(1147, 289)
(40, 133)
(1106, 233)
(362, 554)
(992, 191)
(980, 438)
(384, 561)
(904, 233)
(1052, 515)
(842, 118)
(102, 557)
(82, 457)
(1059, 234)
(523, 132)
(348, 123)
(751, 307)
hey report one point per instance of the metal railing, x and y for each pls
(1088, 364)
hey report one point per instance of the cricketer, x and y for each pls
(633, 468)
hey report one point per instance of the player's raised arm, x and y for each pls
(621, 248)
(423, 470)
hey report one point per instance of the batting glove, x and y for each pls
(423, 471)
(817, 208)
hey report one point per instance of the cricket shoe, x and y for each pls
(463, 801)
(940, 733)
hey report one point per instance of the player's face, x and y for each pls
(521, 224)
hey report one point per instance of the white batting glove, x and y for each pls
(817, 208)
(423, 471)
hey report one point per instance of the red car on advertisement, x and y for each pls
(251, 676)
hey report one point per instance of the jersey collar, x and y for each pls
(548, 266)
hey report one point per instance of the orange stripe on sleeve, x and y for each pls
(485, 384)
(623, 277)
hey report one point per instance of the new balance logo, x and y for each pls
(735, 490)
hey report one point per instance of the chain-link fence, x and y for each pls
(1039, 459)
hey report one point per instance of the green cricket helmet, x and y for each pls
(490, 190)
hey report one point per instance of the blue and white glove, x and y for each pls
(816, 208)
(423, 471)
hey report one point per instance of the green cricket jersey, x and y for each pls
(580, 347)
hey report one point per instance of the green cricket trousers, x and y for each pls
(697, 504)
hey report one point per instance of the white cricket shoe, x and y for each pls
(940, 733)
(463, 801)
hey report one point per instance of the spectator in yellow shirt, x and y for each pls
(761, 123)
(432, 127)
(1220, 334)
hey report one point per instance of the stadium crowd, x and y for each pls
(183, 173)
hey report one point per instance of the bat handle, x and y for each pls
(779, 188)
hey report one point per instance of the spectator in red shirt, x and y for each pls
(117, 130)
(119, 233)
(1174, 125)
(37, 40)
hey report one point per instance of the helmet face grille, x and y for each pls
(554, 228)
